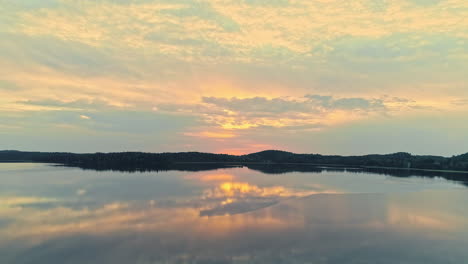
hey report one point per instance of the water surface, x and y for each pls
(51, 214)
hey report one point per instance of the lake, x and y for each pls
(52, 214)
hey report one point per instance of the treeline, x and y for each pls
(162, 161)
(125, 161)
(395, 160)
(122, 161)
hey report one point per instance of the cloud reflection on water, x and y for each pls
(300, 228)
(236, 216)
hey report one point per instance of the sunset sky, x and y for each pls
(234, 76)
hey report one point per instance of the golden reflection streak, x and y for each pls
(30, 222)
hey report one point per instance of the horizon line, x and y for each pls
(238, 155)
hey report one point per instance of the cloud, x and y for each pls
(273, 3)
(232, 25)
(81, 192)
(460, 102)
(211, 134)
(205, 11)
(307, 104)
(18, 201)
(80, 104)
(310, 110)
(64, 130)
(60, 54)
(8, 86)
(258, 104)
(347, 103)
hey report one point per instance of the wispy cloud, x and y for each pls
(318, 110)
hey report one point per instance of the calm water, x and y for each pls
(67, 215)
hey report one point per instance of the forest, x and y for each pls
(155, 161)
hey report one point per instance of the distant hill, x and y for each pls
(142, 160)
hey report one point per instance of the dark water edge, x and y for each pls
(284, 168)
(267, 168)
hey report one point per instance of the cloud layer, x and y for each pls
(229, 71)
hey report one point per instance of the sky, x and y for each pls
(234, 76)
